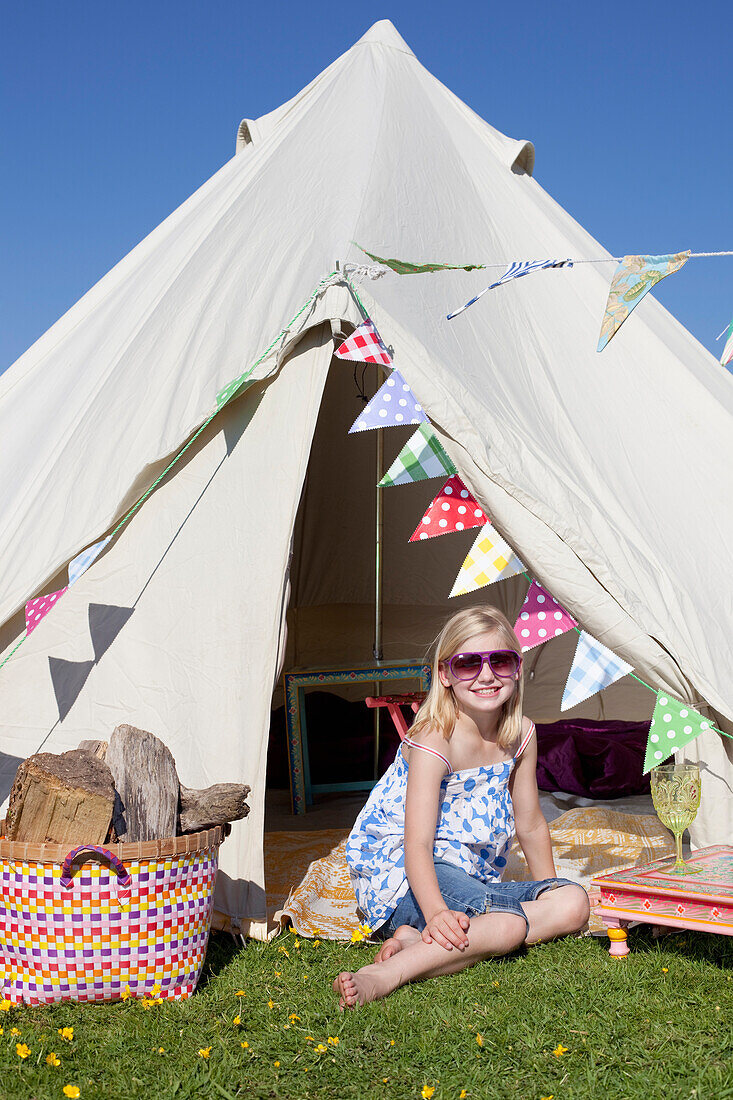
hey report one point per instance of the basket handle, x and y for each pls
(123, 876)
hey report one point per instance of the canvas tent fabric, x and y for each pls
(609, 476)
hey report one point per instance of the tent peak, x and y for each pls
(384, 33)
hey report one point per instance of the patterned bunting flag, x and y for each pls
(365, 345)
(727, 356)
(594, 667)
(453, 509)
(393, 404)
(672, 727)
(422, 457)
(541, 618)
(515, 270)
(404, 267)
(489, 559)
(82, 561)
(634, 277)
(37, 609)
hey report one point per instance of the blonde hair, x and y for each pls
(439, 708)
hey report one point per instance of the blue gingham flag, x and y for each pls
(82, 561)
(594, 668)
(515, 271)
(393, 404)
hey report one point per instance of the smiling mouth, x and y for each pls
(487, 691)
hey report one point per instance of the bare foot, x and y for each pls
(404, 935)
(368, 984)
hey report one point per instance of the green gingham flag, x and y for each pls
(673, 726)
(422, 457)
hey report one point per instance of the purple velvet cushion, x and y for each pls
(594, 759)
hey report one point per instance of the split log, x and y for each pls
(212, 806)
(145, 776)
(66, 799)
(96, 748)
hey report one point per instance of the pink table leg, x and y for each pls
(616, 930)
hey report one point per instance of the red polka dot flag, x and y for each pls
(453, 509)
(540, 618)
(37, 609)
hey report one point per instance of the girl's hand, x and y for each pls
(448, 928)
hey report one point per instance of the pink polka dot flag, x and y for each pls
(453, 509)
(37, 609)
(541, 618)
(393, 405)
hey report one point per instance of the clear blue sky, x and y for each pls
(112, 114)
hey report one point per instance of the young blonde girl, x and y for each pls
(427, 852)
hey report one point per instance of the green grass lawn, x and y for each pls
(562, 1020)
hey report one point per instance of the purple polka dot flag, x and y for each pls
(594, 668)
(672, 727)
(37, 609)
(365, 345)
(541, 618)
(393, 405)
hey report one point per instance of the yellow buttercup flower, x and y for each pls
(204, 1052)
(463, 1094)
(297, 943)
(240, 993)
(480, 1040)
(161, 1050)
(665, 969)
(271, 1003)
(495, 985)
(427, 1091)
(320, 1048)
(5, 1006)
(244, 1045)
(550, 1097)
(276, 1065)
(53, 1059)
(22, 1050)
(293, 1016)
(66, 1033)
(560, 1050)
(284, 951)
(333, 1040)
(237, 1021)
(15, 1031)
(72, 1091)
(126, 994)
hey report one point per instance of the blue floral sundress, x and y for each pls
(474, 831)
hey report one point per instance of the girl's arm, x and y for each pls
(445, 926)
(532, 832)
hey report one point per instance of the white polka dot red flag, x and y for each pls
(540, 618)
(453, 509)
(365, 345)
(37, 609)
(672, 727)
(393, 405)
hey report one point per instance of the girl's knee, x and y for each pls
(576, 907)
(510, 932)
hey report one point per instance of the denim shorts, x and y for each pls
(469, 895)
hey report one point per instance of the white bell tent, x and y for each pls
(610, 475)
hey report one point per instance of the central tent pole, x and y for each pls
(377, 651)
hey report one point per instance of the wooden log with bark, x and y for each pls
(203, 809)
(65, 799)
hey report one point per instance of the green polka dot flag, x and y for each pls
(673, 726)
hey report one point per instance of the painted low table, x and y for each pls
(296, 681)
(701, 903)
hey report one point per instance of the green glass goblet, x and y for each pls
(676, 798)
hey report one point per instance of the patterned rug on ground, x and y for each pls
(586, 842)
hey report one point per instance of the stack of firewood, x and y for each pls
(117, 792)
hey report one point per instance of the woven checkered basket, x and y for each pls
(91, 923)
